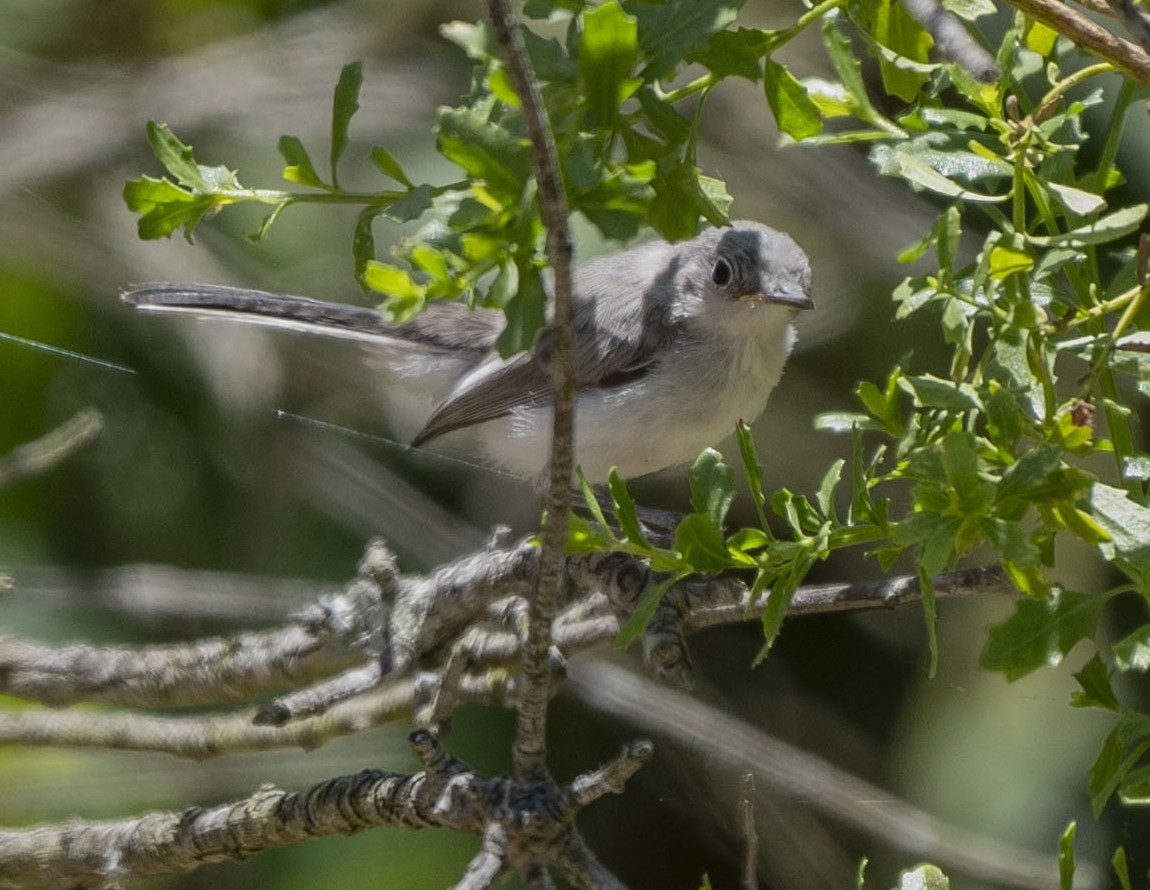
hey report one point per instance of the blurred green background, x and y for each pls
(197, 471)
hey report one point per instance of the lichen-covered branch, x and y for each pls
(520, 821)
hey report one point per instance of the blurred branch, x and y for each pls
(953, 39)
(516, 819)
(1124, 55)
(34, 458)
(370, 647)
(803, 778)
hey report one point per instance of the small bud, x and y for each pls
(1082, 414)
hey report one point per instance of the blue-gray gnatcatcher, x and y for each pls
(674, 344)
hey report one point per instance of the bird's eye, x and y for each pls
(721, 274)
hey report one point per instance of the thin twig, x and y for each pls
(33, 458)
(750, 835)
(1127, 56)
(530, 745)
(1134, 19)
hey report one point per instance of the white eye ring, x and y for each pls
(721, 273)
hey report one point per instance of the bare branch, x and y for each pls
(1127, 56)
(1134, 19)
(530, 735)
(519, 820)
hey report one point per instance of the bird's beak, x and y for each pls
(792, 297)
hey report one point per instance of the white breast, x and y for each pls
(688, 402)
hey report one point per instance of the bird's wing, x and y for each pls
(623, 315)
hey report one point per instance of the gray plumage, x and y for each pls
(674, 343)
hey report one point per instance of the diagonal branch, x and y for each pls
(1128, 57)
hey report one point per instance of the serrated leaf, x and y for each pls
(1132, 652)
(712, 485)
(795, 112)
(671, 30)
(607, 55)
(1095, 690)
(735, 53)
(164, 207)
(1041, 632)
(486, 151)
(412, 205)
(700, 541)
(345, 103)
(176, 157)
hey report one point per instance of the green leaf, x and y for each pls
(825, 497)
(1118, 863)
(625, 510)
(607, 54)
(1004, 262)
(1094, 685)
(841, 422)
(712, 486)
(1066, 857)
(1041, 632)
(405, 296)
(735, 53)
(701, 544)
(1127, 524)
(1108, 228)
(795, 112)
(1132, 652)
(644, 612)
(363, 241)
(671, 30)
(525, 312)
(164, 207)
(970, 9)
(894, 28)
(486, 151)
(176, 157)
(345, 103)
(933, 392)
(1106, 771)
(386, 163)
(299, 167)
(753, 470)
(411, 206)
(842, 56)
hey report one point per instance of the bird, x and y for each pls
(674, 343)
